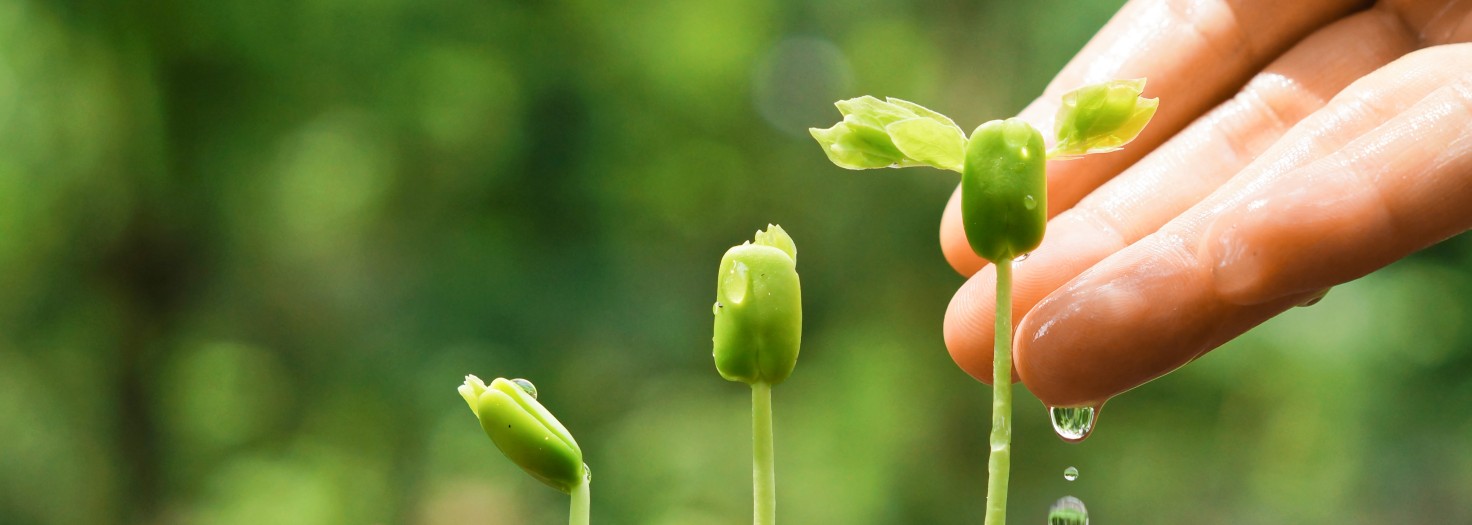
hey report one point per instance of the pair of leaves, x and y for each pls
(1102, 117)
(892, 133)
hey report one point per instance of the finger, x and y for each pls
(1180, 173)
(1195, 53)
(1273, 236)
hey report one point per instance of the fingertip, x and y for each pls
(970, 330)
(1136, 316)
(968, 325)
(953, 243)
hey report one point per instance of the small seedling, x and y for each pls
(758, 330)
(531, 437)
(1003, 195)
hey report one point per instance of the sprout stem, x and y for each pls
(763, 474)
(999, 464)
(581, 502)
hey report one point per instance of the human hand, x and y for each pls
(1298, 145)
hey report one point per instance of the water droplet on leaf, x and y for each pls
(526, 386)
(1068, 510)
(1073, 424)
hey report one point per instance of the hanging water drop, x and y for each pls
(1070, 473)
(1068, 510)
(526, 386)
(1315, 299)
(1022, 257)
(1073, 424)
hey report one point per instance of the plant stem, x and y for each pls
(581, 503)
(763, 471)
(999, 464)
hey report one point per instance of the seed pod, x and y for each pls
(758, 310)
(1003, 189)
(526, 432)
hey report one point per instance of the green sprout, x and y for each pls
(1003, 195)
(531, 437)
(758, 330)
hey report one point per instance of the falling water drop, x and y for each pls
(1073, 424)
(1068, 510)
(1070, 473)
(526, 386)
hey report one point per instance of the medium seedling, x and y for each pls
(1003, 195)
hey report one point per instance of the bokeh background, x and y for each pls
(249, 249)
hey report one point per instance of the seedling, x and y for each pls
(758, 330)
(1003, 195)
(531, 437)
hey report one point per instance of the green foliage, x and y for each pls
(1102, 117)
(891, 133)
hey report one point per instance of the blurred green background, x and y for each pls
(249, 249)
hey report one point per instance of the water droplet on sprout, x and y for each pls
(1022, 257)
(717, 308)
(1068, 510)
(526, 386)
(1073, 424)
(587, 473)
(1070, 473)
(1029, 202)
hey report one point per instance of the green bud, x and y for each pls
(1102, 117)
(758, 310)
(891, 133)
(1003, 189)
(525, 431)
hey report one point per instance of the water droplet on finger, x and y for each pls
(1315, 299)
(1073, 424)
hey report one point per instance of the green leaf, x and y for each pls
(1102, 117)
(929, 141)
(864, 139)
(856, 150)
(924, 112)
